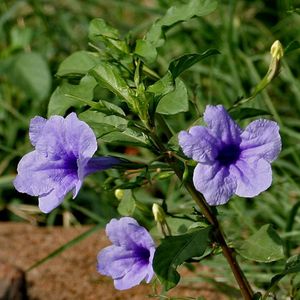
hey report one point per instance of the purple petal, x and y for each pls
(35, 174)
(150, 271)
(221, 125)
(64, 137)
(134, 277)
(214, 182)
(52, 142)
(115, 261)
(124, 266)
(49, 201)
(80, 137)
(127, 233)
(35, 130)
(98, 164)
(199, 144)
(253, 176)
(261, 138)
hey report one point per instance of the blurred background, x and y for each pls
(36, 36)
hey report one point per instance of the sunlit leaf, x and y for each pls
(109, 77)
(113, 129)
(263, 246)
(30, 72)
(175, 101)
(145, 49)
(99, 30)
(127, 204)
(162, 86)
(78, 63)
(68, 95)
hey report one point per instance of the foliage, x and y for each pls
(124, 72)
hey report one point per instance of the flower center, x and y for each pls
(143, 254)
(70, 163)
(229, 154)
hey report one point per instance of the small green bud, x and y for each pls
(277, 50)
(158, 213)
(119, 194)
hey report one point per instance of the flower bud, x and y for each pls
(277, 50)
(119, 194)
(158, 213)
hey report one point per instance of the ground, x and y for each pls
(72, 274)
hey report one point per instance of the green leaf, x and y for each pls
(184, 62)
(175, 250)
(113, 129)
(162, 86)
(292, 266)
(127, 204)
(178, 13)
(126, 137)
(99, 31)
(68, 95)
(175, 101)
(30, 72)
(292, 46)
(102, 123)
(248, 112)
(145, 49)
(109, 77)
(263, 246)
(78, 63)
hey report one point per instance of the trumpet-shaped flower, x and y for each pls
(231, 160)
(62, 158)
(129, 260)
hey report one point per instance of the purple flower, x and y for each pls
(231, 161)
(60, 161)
(129, 260)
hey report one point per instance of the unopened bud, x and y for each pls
(277, 50)
(158, 213)
(119, 194)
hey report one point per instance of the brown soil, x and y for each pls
(72, 274)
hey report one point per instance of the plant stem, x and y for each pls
(245, 288)
(228, 253)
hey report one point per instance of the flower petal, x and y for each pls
(221, 125)
(214, 182)
(52, 142)
(35, 174)
(253, 176)
(80, 137)
(150, 271)
(199, 144)
(64, 137)
(261, 138)
(115, 261)
(97, 164)
(36, 128)
(123, 266)
(135, 234)
(49, 201)
(134, 277)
